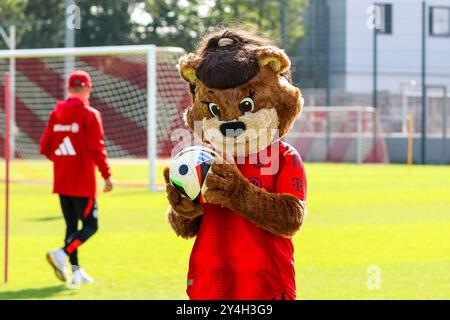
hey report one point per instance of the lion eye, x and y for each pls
(247, 105)
(214, 109)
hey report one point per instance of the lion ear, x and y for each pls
(186, 66)
(274, 58)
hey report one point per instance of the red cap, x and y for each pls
(79, 79)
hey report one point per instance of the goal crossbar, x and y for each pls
(84, 51)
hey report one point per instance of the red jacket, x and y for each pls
(73, 140)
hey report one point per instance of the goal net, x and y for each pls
(339, 134)
(137, 89)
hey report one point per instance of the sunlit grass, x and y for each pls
(381, 215)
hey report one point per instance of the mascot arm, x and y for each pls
(281, 214)
(183, 215)
(183, 227)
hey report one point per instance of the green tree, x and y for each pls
(40, 23)
(173, 23)
(106, 22)
(11, 11)
(43, 24)
(183, 22)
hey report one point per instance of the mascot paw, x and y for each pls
(181, 205)
(225, 185)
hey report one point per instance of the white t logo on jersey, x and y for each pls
(65, 148)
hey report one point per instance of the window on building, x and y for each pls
(440, 21)
(385, 18)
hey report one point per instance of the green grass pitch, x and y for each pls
(388, 216)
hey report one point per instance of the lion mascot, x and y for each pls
(243, 103)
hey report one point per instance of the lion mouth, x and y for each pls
(232, 129)
(248, 134)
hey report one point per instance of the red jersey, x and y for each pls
(232, 258)
(73, 140)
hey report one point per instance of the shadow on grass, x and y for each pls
(38, 293)
(45, 219)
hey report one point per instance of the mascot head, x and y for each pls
(242, 95)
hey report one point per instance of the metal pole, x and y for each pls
(404, 112)
(359, 133)
(328, 74)
(69, 42)
(423, 146)
(444, 127)
(12, 92)
(442, 88)
(7, 158)
(327, 55)
(375, 77)
(375, 67)
(151, 116)
(410, 139)
(69, 30)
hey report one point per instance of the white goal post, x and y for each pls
(138, 85)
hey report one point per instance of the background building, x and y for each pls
(351, 45)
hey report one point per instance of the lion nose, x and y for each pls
(232, 129)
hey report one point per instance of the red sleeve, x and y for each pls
(45, 143)
(292, 177)
(96, 144)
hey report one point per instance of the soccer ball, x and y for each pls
(188, 171)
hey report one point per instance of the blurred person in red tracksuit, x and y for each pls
(73, 141)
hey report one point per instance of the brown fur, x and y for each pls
(225, 75)
(223, 69)
(183, 215)
(183, 227)
(229, 60)
(281, 214)
(269, 92)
